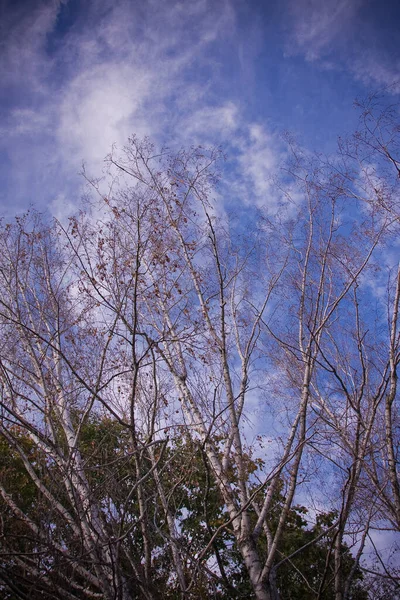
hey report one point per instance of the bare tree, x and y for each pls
(152, 318)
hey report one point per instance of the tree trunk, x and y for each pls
(263, 590)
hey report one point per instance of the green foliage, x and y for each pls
(213, 565)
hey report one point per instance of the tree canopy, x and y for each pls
(198, 402)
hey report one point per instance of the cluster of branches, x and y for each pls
(138, 340)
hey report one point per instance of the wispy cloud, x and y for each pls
(259, 154)
(77, 80)
(23, 61)
(210, 123)
(374, 69)
(97, 110)
(315, 26)
(118, 68)
(342, 34)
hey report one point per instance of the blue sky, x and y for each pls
(78, 76)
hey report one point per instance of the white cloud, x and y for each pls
(317, 25)
(120, 68)
(26, 121)
(259, 157)
(61, 208)
(23, 34)
(98, 109)
(371, 68)
(333, 33)
(210, 123)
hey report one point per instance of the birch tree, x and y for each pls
(152, 323)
